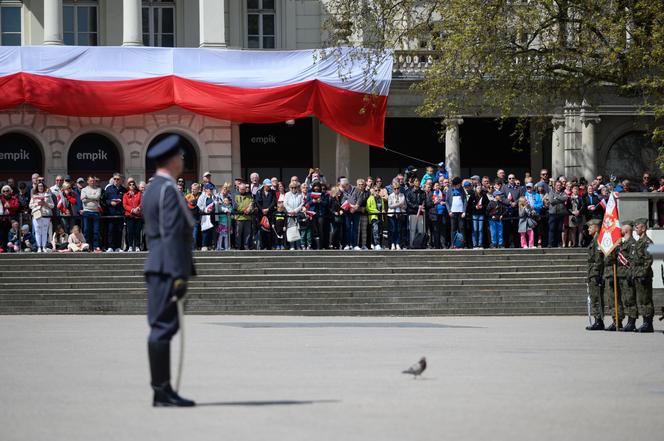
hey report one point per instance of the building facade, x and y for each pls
(580, 139)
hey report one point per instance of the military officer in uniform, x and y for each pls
(642, 275)
(595, 272)
(625, 279)
(169, 264)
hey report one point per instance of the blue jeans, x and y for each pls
(208, 236)
(496, 227)
(555, 229)
(195, 232)
(478, 226)
(397, 229)
(91, 228)
(352, 222)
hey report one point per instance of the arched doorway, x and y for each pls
(20, 157)
(631, 155)
(93, 154)
(190, 173)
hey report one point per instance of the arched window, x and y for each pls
(190, 173)
(631, 155)
(20, 157)
(93, 154)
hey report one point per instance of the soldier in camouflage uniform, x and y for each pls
(628, 250)
(626, 295)
(642, 275)
(594, 280)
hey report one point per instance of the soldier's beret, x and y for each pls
(594, 222)
(164, 149)
(641, 221)
(630, 223)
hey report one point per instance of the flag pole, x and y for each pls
(615, 294)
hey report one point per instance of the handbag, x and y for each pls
(37, 214)
(265, 223)
(531, 223)
(293, 233)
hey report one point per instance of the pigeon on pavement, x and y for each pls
(417, 369)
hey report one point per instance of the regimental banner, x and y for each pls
(610, 234)
(346, 90)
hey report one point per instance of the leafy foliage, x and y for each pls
(517, 58)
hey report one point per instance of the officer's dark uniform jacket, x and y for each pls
(168, 226)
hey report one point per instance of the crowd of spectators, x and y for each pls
(430, 210)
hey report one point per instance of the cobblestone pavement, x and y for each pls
(300, 378)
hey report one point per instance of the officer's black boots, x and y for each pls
(613, 326)
(597, 326)
(646, 326)
(631, 325)
(165, 396)
(160, 371)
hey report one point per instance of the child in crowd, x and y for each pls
(526, 223)
(27, 239)
(279, 224)
(60, 239)
(376, 209)
(76, 240)
(14, 238)
(304, 224)
(224, 225)
(496, 211)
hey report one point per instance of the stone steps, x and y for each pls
(409, 282)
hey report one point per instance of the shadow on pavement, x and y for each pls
(257, 403)
(286, 325)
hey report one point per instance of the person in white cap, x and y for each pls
(207, 179)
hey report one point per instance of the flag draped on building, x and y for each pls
(347, 89)
(610, 234)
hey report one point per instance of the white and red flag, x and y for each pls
(610, 234)
(346, 90)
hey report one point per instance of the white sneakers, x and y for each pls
(357, 249)
(204, 248)
(398, 247)
(109, 250)
(377, 247)
(393, 247)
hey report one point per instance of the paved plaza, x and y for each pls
(301, 378)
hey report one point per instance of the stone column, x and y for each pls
(589, 164)
(211, 23)
(343, 156)
(53, 22)
(558, 147)
(572, 143)
(452, 146)
(536, 153)
(132, 31)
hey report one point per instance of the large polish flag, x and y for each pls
(345, 88)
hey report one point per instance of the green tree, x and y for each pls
(517, 58)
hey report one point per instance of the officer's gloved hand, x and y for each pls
(179, 288)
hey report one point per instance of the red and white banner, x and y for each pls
(610, 234)
(345, 90)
